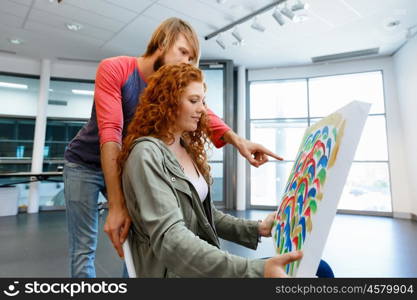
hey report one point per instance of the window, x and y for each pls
(70, 99)
(18, 97)
(58, 134)
(16, 144)
(214, 78)
(284, 119)
(280, 111)
(284, 99)
(69, 106)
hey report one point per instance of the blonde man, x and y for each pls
(91, 165)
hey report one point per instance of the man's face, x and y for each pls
(180, 52)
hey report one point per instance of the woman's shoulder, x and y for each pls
(148, 148)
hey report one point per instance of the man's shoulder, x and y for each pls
(119, 59)
(124, 62)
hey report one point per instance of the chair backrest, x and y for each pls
(129, 259)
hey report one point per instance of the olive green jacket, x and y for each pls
(174, 234)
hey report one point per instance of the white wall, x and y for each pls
(400, 181)
(405, 67)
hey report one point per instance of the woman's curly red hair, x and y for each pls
(157, 113)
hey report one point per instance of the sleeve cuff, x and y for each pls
(257, 267)
(218, 140)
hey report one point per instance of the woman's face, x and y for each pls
(191, 108)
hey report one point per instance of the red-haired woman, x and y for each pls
(166, 178)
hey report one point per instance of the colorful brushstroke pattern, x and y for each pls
(304, 189)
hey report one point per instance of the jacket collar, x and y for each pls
(173, 165)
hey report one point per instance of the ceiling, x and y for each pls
(123, 27)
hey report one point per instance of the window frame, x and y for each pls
(249, 205)
(229, 154)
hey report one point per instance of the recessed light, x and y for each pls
(300, 6)
(15, 41)
(83, 92)
(393, 23)
(301, 18)
(73, 26)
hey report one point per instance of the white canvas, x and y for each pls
(309, 203)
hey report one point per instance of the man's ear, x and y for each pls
(160, 49)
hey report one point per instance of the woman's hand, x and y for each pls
(275, 266)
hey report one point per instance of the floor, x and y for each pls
(35, 245)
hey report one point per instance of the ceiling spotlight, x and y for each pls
(237, 35)
(73, 26)
(300, 6)
(394, 23)
(221, 1)
(278, 17)
(257, 26)
(220, 42)
(301, 18)
(15, 41)
(288, 13)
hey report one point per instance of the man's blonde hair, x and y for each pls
(167, 33)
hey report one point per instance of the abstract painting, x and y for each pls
(316, 181)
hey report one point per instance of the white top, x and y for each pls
(199, 184)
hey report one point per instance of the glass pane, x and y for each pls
(215, 90)
(283, 99)
(16, 137)
(18, 95)
(51, 194)
(55, 131)
(11, 168)
(58, 135)
(217, 187)
(52, 166)
(367, 188)
(268, 183)
(7, 129)
(73, 130)
(330, 93)
(16, 149)
(26, 130)
(214, 153)
(54, 150)
(373, 142)
(76, 97)
(283, 137)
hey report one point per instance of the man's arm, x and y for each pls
(110, 77)
(221, 134)
(118, 220)
(256, 154)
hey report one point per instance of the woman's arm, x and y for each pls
(240, 231)
(178, 248)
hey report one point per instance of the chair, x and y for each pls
(129, 259)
